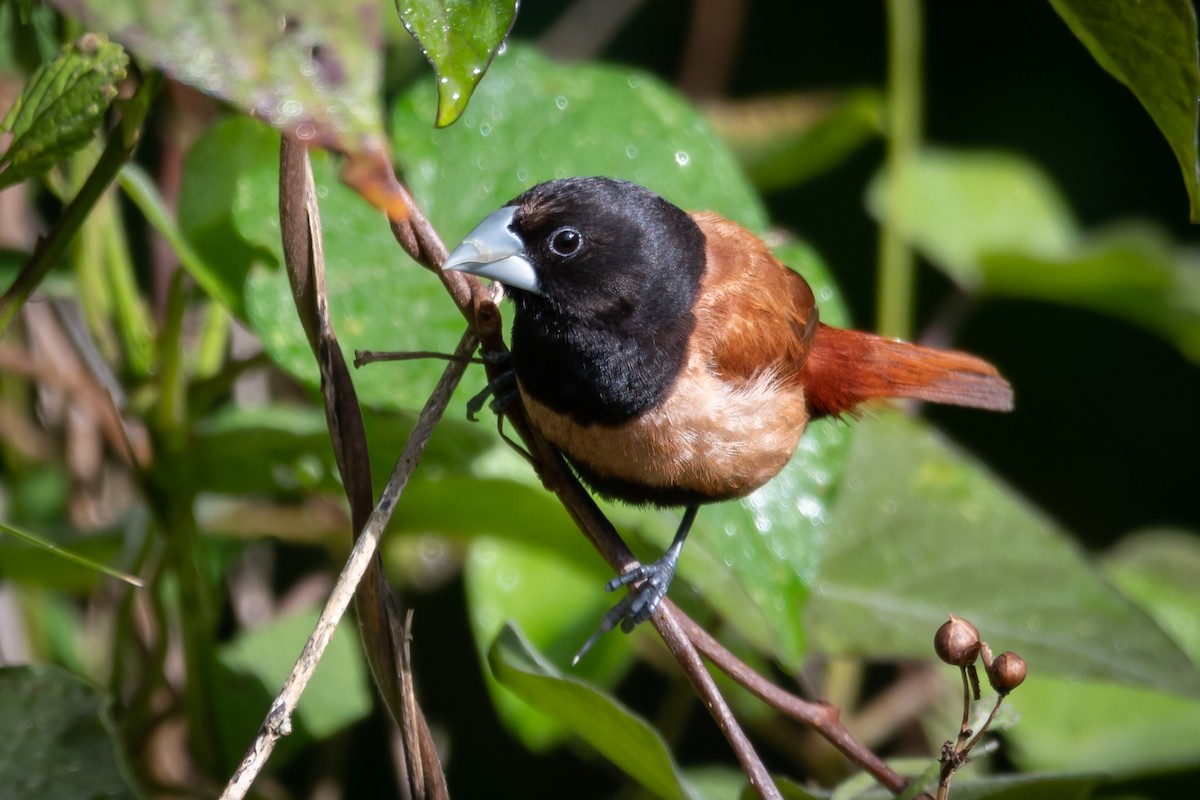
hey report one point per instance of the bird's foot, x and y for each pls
(502, 389)
(648, 584)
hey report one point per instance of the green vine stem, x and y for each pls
(904, 112)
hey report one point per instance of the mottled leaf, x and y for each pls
(310, 68)
(460, 38)
(61, 107)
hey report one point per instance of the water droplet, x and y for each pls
(455, 96)
(631, 151)
(485, 129)
(502, 48)
(477, 71)
(322, 191)
(681, 158)
(729, 561)
(561, 102)
(522, 174)
(444, 80)
(508, 579)
(634, 81)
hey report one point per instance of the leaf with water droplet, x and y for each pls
(460, 38)
(614, 122)
(312, 69)
(60, 107)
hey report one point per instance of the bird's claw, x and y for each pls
(501, 389)
(648, 584)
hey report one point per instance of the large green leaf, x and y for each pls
(61, 107)
(311, 68)
(60, 743)
(921, 532)
(1150, 46)
(533, 120)
(460, 38)
(1130, 730)
(379, 298)
(608, 726)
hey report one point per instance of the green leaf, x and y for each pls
(920, 532)
(1149, 46)
(379, 299)
(460, 38)
(1130, 730)
(997, 225)
(253, 666)
(226, 151)
(1131, 273)
(533, 120)
(312, 69)
(783, 141)
(61, 744)
(608, 726)
(958, 206)
(509, 583)
(61, 107)
(1055, 786)
(1160, 571)
(141, 190)
(65, 554)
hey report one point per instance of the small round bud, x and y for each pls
(957, 642)
(1007, 672)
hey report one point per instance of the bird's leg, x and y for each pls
(502, 389)
(648, 586)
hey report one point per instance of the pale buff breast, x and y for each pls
(707, 436)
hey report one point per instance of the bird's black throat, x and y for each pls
(590, 372)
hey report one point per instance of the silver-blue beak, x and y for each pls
(493, 250)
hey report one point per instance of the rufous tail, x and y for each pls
(846, 368)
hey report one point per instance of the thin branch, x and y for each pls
(278, 722)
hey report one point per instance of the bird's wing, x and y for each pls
(755, 314)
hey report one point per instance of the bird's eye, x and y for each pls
(566, 242)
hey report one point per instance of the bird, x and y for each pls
(673, 359)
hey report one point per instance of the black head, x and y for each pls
(606, 251)
(604, 275)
